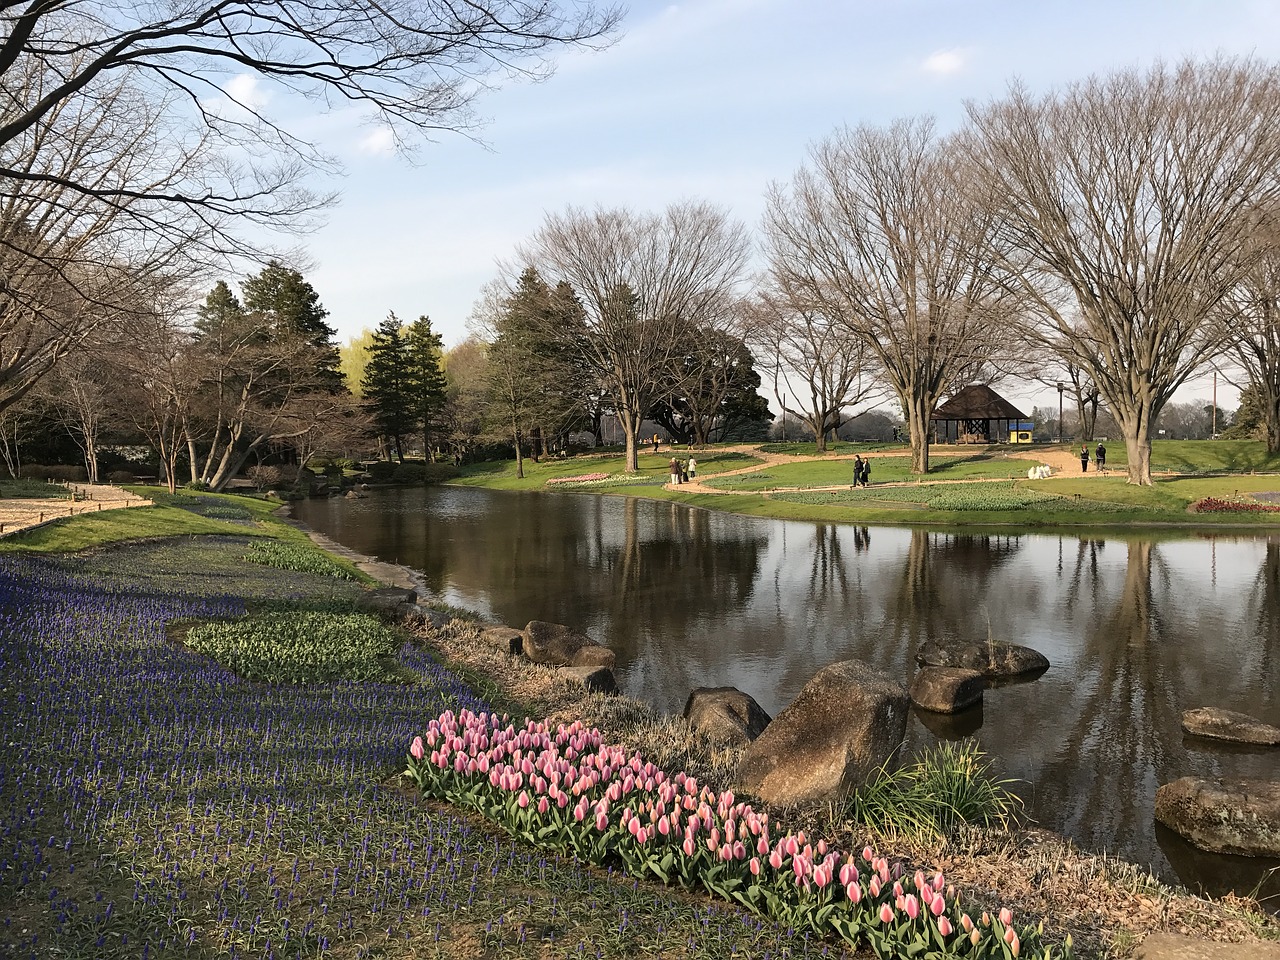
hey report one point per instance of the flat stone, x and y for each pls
(553, 643)
(1216, 724)
(594, 655)
(386, 600)
(1231, 815)
(847, 723)
(1175, 946)
(726, 715)
(415, 614)
(595, 679)
(508, 639)
(989, 659)
(946, 689)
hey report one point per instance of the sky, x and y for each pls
(710, 100)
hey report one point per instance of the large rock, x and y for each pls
(1223, 816)
(726, 715)
(1228, 725)
(595, 679)
(989, 659)
(507, 639)
(388, 601)
(946, 689)
(848, 721)
(553, 643)
(416, 615)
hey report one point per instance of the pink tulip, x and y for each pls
(886, 913)
(874, 885)
(1006, 916)
(867, 855)
(762, 845)
(938, 904)
(966, 922)
(912, 906)
(755, 866)
(688, 846)
(853, 890)
(821, 875)
(415, 749)
(944, 926)
(974, 936)
(791, 846)
(602, 822)
(1010, 935)
(543, 805)
(775, 859)
(938, 882)
(523, 799)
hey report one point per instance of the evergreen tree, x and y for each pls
(388, 384)
(220, 308)
(292, 308)
(423, 352)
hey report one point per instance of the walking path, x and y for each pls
(1062, 462)
(23, 513)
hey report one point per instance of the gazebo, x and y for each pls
(977, 414)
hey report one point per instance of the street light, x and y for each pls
(1060, 389)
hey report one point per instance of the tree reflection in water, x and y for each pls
(1137, 630)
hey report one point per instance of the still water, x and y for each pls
(1136, 629)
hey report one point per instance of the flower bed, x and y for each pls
(568, 790)
(581, 478)
(1232, 505)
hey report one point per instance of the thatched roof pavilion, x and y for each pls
(977, 414)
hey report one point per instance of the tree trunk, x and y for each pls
(1137, 442)
(630, 428)
(91, 458)
(1272, 425)
(918, 428)
(515, 433)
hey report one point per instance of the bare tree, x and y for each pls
(879, 235)
(1251, 313)
(816, 365)
(80, 392)
(643, 280)
(1132, 197)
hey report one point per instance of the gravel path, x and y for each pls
(23, 513)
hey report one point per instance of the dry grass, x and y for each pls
(1107, 905)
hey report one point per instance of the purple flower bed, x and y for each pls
(154, 805)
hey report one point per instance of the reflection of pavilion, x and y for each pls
(977, 414)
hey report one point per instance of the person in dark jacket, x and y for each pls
(1100, 455)
(1084, 459)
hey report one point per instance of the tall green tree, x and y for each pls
(535, 375)
(424, 351)
(388, 384)
(292, 308)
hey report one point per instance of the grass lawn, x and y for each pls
(654, 469)
(823, 473)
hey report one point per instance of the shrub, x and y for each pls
(300, 647)
(409, 473)
(122, 476)
(60, 472)
(381, 470)
(267, 476)
(440, 472)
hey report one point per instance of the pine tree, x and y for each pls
(423, 352)
(292, 308)
(388, 383)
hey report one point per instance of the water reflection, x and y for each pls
(1137, 630)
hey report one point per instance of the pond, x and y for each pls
(1137, 629)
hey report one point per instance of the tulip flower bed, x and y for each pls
(580, 479)
(154, 804)
(289, 556)
(1228, 505)
(569, 791)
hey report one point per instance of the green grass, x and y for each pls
(295, 556)
(18, 487)
(654, 469)
(828, 473)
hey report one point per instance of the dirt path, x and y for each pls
(23, 513)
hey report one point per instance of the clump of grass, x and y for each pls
(301, 647)
(946, 787)
(291, 556)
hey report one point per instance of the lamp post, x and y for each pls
(1060, 389)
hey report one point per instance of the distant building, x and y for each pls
(977, 414)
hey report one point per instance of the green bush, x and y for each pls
(289, 556)
(57, 471)
(440, 472)
(122, 476)
(381, 470)
(947, 786)
(409, 473)
(300, 647)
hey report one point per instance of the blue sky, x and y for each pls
(708, 99)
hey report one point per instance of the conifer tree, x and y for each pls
(423, 349)
(388, 386)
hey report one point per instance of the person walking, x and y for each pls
(655, 443)
(857, 470)
(675, 470)
(1100, 455)
(692, 468)
(866, 471)
(1084, 459)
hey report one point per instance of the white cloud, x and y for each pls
(378, 142)
(946, 62)
(246, 89)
